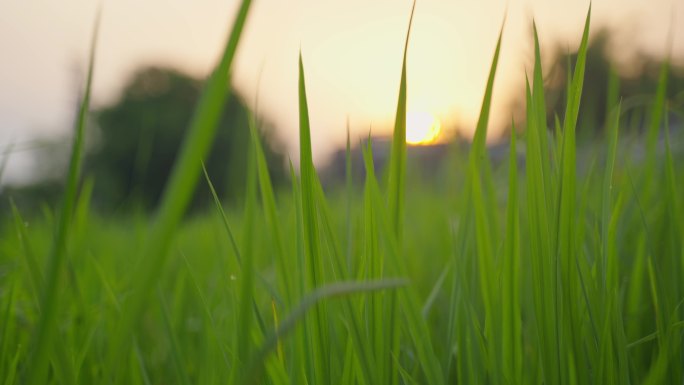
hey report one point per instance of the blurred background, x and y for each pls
(152, 57)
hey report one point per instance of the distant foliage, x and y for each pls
(607, 81)
(139, 136)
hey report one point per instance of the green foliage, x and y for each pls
(139, 137)
(547, 269)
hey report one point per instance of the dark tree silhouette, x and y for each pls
(138, 138)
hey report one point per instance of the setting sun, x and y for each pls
(422, 128)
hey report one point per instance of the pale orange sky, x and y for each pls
(352, 53)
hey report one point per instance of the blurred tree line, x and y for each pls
(607, 81)
(132, 145)
(133, 142)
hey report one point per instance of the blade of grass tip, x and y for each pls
(480, 138)
(397, 163)
(395, 199)
(479, 178)
(324, 292)
(318, 326)
(565, 246)
(178, 191)
(540, 110)
(48, 317)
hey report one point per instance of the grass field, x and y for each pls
(533, 271)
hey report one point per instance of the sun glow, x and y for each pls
(422, 128)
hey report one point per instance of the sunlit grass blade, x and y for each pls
(45, 330)
(270, 211)
(178, 190)
(566, 249)
(318, 326)
(397, 162)
(484, 214)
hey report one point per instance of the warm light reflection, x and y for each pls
(422, 128)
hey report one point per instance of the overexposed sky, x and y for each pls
(352, 54)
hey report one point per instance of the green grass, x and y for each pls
(562, 264)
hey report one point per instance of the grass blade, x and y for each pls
(298, 313)
(179, 190)
(397, 163)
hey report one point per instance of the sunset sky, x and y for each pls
(351, 49)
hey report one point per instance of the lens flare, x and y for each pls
(422, 128)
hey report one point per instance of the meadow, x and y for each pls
(530, 271)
